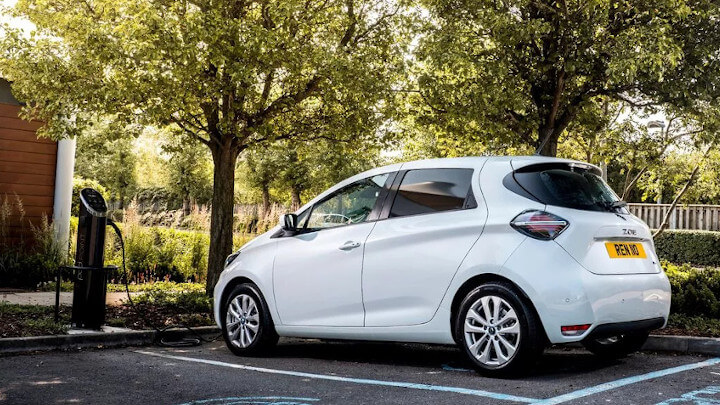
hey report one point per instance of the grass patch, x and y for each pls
(169, 286)
(680, 324)
(32, 320)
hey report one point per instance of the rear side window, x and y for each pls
(564, 185)
(426, 191)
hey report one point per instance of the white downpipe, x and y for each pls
(64, 170)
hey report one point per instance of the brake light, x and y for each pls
(574, 330)
(539, 224)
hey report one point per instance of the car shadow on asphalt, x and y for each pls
(555, 362)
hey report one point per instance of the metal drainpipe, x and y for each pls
(64, 170)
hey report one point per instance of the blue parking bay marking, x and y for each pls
(426, 387)
(627, 381)
(707, 395)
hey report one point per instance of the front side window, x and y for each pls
(350, 205)
(433, 190)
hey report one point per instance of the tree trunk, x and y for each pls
(548, 141)
(265, 200)
(221, 216)
(682, 192)
(296, 201)
(186, 205)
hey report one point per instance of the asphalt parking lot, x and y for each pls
(314, 372)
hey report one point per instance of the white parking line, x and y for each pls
(627, 381)
(426, 387)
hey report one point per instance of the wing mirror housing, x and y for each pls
(288, 222)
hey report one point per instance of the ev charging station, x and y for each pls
(90, 272)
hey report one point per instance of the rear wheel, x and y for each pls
(247, 326)
(498, 331)
(617, 347)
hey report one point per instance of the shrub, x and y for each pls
(700, 248)
(695, 292)
(27, 262)
(80, 183)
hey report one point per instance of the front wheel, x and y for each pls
(247, 326)
(498, 331)
(617, 347)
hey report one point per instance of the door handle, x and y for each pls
(349, 245)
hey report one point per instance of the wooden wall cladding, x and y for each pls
(27, 171)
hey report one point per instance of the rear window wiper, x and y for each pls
(612, 206)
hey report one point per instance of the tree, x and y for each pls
(189, 170)
(519, 72)
(105, 154)
(228, 73)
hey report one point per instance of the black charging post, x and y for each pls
(90, 272)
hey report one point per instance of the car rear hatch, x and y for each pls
(601, 234)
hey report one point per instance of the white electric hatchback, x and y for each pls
(499, 255)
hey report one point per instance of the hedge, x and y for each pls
(695, 292)
(699, 248)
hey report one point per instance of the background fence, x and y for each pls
(691, 216)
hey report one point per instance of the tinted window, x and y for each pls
(350, 205)
(567, 186)
(432, 190)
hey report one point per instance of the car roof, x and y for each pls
(475, 162)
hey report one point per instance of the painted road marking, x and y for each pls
(253, 400)
(627, 381)
(697, 397)
(426, 387)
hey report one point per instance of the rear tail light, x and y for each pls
(539, 224)
(574, 330)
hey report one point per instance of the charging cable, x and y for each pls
(184, 342)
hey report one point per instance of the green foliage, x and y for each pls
(192, 301)
(154, 254)
(700, 248)
(231, 75)
(27, 262)
(695, 292)
(80, 183)
(30, 320)
(166, 286)
(508, 74)
(190, 173)
(105, 153)
(695, 325)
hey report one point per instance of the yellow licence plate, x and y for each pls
(625, 250)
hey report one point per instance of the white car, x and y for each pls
(499, 255)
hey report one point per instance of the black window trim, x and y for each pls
(385, 214)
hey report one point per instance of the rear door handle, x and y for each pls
(349, 245)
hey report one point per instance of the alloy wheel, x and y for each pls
(242, 321)
(492, 331)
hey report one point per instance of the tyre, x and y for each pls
(617, 347)
(246, 323)
(498, 331)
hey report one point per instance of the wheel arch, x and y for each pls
(236, 281)
(480, 279)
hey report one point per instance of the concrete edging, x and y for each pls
(683, 344)
(96, 340)
(659, 343)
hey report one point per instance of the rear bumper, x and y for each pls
(564, 293)
(619, 328)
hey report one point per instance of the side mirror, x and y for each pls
(288, 222)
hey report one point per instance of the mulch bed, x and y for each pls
(33, 320)
(149, 316)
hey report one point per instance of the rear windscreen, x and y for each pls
(567, 186)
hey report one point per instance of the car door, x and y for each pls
(412, 256)
(317, 273)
